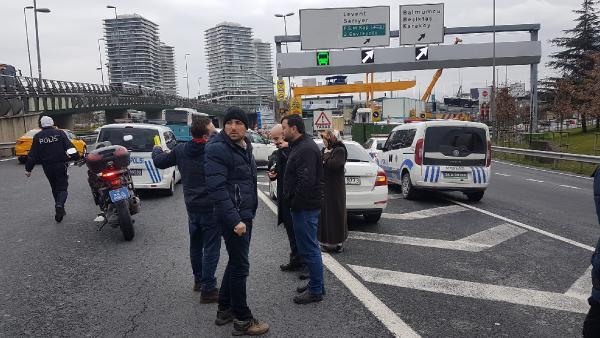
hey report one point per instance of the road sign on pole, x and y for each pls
(422, 53)
(421, 24)
(322, 120)
(367, 56)
(323, 58)
(296, 105)
(280, 90)
(337, 28)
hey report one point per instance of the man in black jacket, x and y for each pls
(302, 191)
(277, 172)
(231, 179)
(52, 149)
(205, 234)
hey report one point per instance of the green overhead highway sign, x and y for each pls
(322, 58)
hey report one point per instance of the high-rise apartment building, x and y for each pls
(168, 80)
(264, 67)
(133, 48)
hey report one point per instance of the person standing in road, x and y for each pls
(205, 234)
(283, 210)
(333, 227)
(591, 324)
(230, 171)
(302, 192)
(52, 149)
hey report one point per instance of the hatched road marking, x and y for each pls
(475, 243)
(426, 213)
(383, 313)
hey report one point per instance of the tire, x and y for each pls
(125, 221)
(475, 196)
(171, 190)
(22, 159)
(408, 190)
(372, 217)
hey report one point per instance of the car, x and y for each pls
(374, 146)
(262, 147)
(143, 172)
(23, 144)
(439, 156)
(366, 184)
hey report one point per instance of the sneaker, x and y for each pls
(224, 317)
(307, 298)
(338, 249)
(210, 296)
(291, 266)
(60, 213)
(250, 327)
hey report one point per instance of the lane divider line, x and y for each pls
(532, 180)
(426, 213)
(570, 187)
(383, 313)
(505, 175)
(8, 159)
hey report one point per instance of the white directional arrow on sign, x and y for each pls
(368, 56)
(422, 53)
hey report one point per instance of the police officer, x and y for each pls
(52, 149)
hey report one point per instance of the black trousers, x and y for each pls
(59, 182)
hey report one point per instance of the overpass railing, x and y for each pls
(576, 163)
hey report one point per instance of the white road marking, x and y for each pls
(583, 286)
(8, 159)
(475, 243)
(395, 196)
(528, 227)
(505, 175)
(508, 294)
(383, 313)
(542, 170)
(426, 213)
(532, 180)
(570, 187)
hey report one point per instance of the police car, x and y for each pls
(144, 174)
(439, 155)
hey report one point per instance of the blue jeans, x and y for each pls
(233, 286)
(205, 248)
(305, 229)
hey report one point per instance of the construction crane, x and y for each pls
(436, 77)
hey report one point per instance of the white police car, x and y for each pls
(143, 172)
(439, 155)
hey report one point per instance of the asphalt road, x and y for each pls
(514, 264)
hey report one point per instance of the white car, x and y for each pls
(143, 172)
(262, 148)
(366, 184)
(439, 155)
(374, 147)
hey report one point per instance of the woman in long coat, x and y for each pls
(333, 228)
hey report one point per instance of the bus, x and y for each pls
(180, 120)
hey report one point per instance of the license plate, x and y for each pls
(119, 194)
(455, 168)
(352, 180)
(455, 175)
(135, 172)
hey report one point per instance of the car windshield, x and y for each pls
(176, 116)
(356, 153)
(143, 139)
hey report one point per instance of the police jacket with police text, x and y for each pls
(49, 146)
(231, 180)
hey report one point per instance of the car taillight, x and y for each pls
(488, 161)
(419, 149)
(381, 179)
(108, 175)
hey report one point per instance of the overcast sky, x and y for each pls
(68, 35)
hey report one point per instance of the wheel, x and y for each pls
(125, 221)
(372, 217)
(408, 190)
(22, 159)
(475, 196)
(171, 190)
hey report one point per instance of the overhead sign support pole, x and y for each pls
(533, 108)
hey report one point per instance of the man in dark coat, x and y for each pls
(205, 234)
(277, 172)
(52, 149)
(302, 192)
(333, 228)
(231, 179)
(591, 325)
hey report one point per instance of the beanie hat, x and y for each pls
(46, 121)
(235, 113)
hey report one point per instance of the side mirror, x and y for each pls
(127, 138)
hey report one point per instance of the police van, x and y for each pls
(139, 140)
(439, 155)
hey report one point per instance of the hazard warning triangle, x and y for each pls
(323, 121)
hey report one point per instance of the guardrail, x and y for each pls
(549, 155)
(8, 145)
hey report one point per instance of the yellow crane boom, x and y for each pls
(436, 77)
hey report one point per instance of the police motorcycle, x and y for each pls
(112, 186)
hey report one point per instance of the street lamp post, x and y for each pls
(199, 78)
(27, 36)
(284, 16)
(118, 42)
(187, 75)
(37, 36)
(100, 56)
(493, 107)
